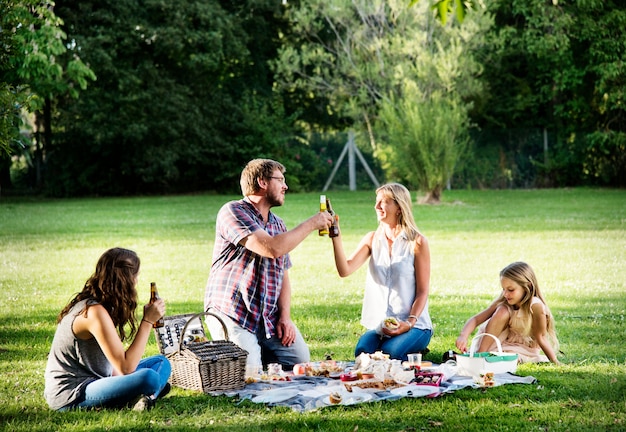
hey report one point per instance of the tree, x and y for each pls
(31, 70)
(558, 66)
(429, 136)
(445, 8)
(363, 55)
(184, 96)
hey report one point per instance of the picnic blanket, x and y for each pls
(305, 393)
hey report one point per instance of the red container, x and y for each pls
(428, 378)
(348, 376)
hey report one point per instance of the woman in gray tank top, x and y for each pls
(88, 365)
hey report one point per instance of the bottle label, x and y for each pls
(323, 231)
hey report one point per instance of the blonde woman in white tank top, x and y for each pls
(398, 277)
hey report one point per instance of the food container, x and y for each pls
(474, 363)
(427, 378)
(349, 376)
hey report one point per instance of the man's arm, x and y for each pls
(285, 328)
(260, 242)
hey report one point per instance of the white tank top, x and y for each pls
(390, 283)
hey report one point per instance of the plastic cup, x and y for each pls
(414, 359)
(274, 369)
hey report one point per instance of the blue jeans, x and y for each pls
(413, 341)
(273, 350)
(117, 391)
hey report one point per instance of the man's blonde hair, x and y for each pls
(258, 169)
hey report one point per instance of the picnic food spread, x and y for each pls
(371, 377)
(370, 371)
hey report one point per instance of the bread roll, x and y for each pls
(391, 323)
(335, 398)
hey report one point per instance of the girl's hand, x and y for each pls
(154, 311)
(461, 344)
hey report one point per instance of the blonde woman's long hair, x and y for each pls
(523, 274)
(402, 197)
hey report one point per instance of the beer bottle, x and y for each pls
(154, 295)
(333, 231)
(450, 355)
(323, 231)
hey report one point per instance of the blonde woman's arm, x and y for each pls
(347, 266)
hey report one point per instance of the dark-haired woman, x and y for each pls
(88, 365)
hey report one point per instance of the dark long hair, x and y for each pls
(113, 286)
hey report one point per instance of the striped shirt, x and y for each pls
(242, 284)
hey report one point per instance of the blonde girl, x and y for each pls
(519, 317)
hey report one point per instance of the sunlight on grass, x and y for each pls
(575, 239)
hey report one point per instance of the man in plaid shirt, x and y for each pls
(248, 284)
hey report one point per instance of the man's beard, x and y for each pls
(275, 200)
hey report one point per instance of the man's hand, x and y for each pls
(321, 220)
(286, 332)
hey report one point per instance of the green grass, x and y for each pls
(574, 238)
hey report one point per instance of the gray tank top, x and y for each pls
(72, 363)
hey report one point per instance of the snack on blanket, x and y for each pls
(365, 384)
(486, 379)
(428, 378)
(386, 384)
(300, 369)
(364, 361)
(335, 398)
(273, 377)
(324, 368)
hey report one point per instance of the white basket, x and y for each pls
(475, 363)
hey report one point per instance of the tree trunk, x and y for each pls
(432, 197)
(5, 172)
(42, 142)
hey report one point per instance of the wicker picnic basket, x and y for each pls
(206, 366)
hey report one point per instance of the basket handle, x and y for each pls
(474, 344)
(200, 315)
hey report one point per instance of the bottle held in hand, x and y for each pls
(323, 231)
(333, 231)
(154, 295)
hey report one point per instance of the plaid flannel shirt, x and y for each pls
(242, 284)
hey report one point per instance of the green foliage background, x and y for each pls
(185, 94)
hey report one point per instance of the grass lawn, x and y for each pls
(574, 238)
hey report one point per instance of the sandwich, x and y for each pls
(391, 323)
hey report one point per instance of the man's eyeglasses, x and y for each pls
(280, 179)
